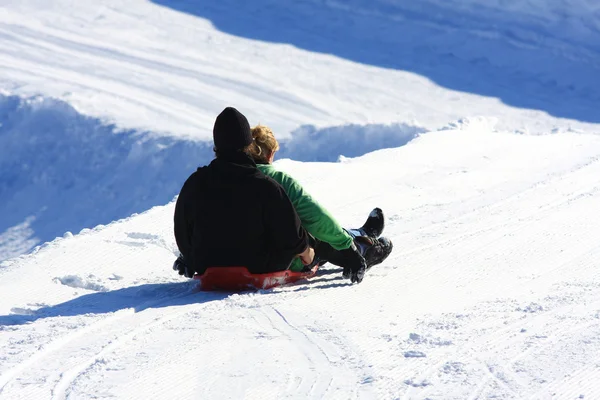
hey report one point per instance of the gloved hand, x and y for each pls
(182, 268)
(354, 264)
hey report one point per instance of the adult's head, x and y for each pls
(264, 146)
(231, 132)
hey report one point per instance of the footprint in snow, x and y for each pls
(78, 282)
(412, 383)
(140, 239)
(414, 354)
(142, 236)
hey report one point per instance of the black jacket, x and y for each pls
(230, 214)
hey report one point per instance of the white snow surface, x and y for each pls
(480, 120)
(491, 291)
(170, 66)
(95, 97)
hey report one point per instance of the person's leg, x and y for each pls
(374, 251)
(325, 253)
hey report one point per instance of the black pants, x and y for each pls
(324, 252)
(282, 261)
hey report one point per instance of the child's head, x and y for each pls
(264, 144)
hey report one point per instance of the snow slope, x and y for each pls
(491, 292)
(61, 171)
(96, 95)
(534, 54)
(170, 66)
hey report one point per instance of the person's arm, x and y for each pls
(182, 220)
(284, 227)
(314, 217)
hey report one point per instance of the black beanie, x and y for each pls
(231, 131)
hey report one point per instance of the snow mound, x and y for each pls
(309, 143)
(62, 172)
(17, 240)
(90, 282)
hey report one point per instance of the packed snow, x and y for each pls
(473, 124)
(491, 292)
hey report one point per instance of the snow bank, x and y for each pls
(62, 171)
(309, 143)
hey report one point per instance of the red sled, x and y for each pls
(237, 279)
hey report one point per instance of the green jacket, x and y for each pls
(315, 219)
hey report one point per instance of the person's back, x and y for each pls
(230, 214)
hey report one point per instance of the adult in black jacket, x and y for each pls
(230, 214)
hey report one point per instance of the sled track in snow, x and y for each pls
(488, 353)
(55, 346)
(593, 163)
(102, 327)
(325, 370)
(325, 359)
(68, 377)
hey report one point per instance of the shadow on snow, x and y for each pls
(549, 63)
(142, 297)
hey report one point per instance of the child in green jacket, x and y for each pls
(333, 243)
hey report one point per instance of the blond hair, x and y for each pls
(263, 145)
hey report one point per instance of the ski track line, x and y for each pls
(423, 376)
(478, 343)
(315, 352)
(67, 378)
(558, 386)
(506, 225)
(512, 227)
(492, 376)
(568, 262)
(547, 342)
(514, 197)
(508, 366)
(146, 98)
(503, 230)
(57, 344)
(499, 343)
(117, 58)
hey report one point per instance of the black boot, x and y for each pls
(374, 225)
(375, 251)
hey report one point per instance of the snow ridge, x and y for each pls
(62, 171)
(73, 172)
